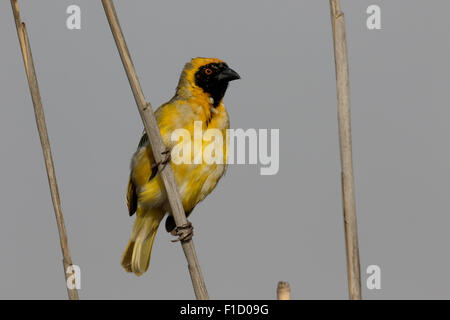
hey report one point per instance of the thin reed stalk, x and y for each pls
(345, 142)
(45, 143)
(158, 147)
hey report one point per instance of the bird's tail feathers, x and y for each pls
(136, 257)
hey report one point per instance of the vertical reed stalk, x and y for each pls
(345, 142)
(283, 291)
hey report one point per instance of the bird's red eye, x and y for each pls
(208, 71)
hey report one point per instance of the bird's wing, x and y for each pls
(141, 173)
(131, 197)
(142, 170)
(144, 140)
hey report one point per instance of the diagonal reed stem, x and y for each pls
(45, 143)
(157, 145)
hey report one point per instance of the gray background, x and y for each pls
(283, 51)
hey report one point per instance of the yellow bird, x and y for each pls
(198, 97)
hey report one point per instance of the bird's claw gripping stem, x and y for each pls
(166, 159)
(184, 232)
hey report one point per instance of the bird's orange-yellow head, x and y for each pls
(206, 77)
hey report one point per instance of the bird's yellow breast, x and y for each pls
(194, 181)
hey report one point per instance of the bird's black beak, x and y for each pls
(228, 75)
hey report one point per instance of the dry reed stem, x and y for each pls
(45, 143)
(158, 147)
(283, 291)
(345, 142)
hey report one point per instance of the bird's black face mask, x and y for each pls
(213, 78)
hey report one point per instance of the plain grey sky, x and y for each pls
(253, 230)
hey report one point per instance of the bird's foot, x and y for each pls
(184, 232)
(166, 157)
